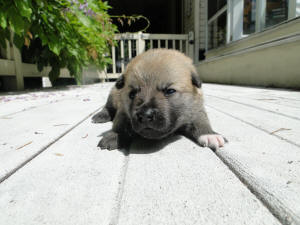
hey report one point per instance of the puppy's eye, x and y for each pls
(132, 94)
(169, 91)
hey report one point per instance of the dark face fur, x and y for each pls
(153, 114)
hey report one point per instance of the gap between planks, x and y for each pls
(47, 146)
(115, 211)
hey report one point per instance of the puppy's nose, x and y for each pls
(146, 116)
(149, 114)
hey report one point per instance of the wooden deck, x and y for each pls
(51, 171)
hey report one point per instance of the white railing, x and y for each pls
(12, 66)
(128, 45)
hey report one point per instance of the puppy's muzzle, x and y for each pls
(150, 123)
(147, 116)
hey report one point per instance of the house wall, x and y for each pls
(268, 58)
(273, 65)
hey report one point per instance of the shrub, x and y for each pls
(59, 33)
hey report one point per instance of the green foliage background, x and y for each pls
(60, 33)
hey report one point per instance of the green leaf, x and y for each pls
(84, 19)
(54, 74)
(17, 23)
(18, 41)
(3, 22)
(44, 38)
(2, 38)
(55, 47)
(23, 6)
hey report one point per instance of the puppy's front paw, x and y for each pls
(102, 116)
(213, 141)
(110, 141)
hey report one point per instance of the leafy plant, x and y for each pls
(59, 33)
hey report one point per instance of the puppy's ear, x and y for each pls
(196, 80)
(120, 82)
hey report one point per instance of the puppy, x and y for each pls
(158, 95)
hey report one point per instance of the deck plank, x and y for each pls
(281, 102)
(15, 102)
(167, 182)
(235, 90)
(28, 133)
(268, 165)
(73, 182)
(181, 183)
(280, 126)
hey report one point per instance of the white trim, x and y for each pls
(122, 55)
(237, 19)
(294, 9)
(129, 49)
(229, 22)
(113, 55)
(298, 8)
(260, 19)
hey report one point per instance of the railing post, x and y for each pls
(190, 43)
(18, 68)
(140, 44)
(8, 50)
(229, 22)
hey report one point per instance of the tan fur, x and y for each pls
(158, 67)
(163, 64)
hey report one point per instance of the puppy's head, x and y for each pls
(158, 89)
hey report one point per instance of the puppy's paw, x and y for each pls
(101, 117)
(110, 141)
(213, 141)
